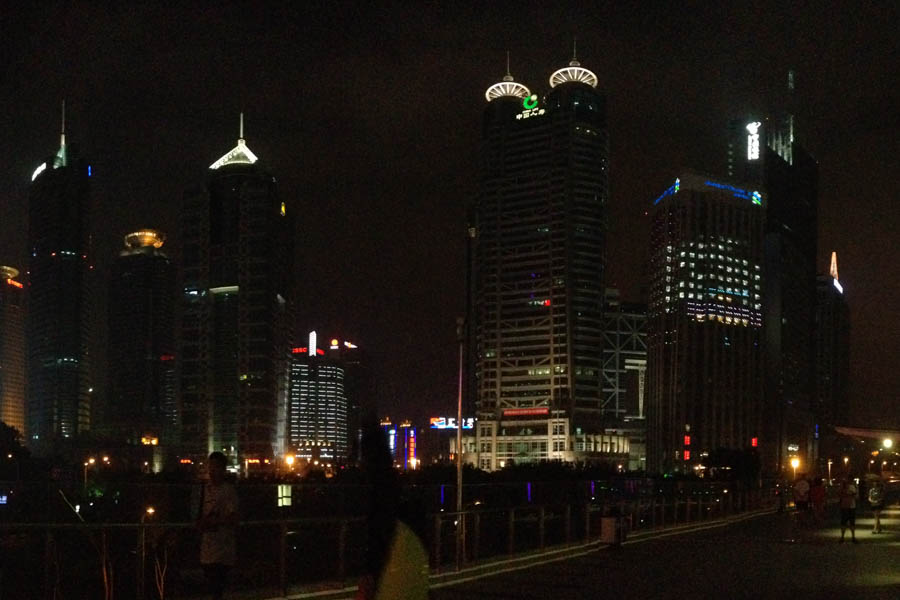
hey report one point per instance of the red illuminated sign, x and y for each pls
(522, 412)
(754, 442)
(167, 357)
(14, 283)
(305, 350)
(687, 440)
(687, 455)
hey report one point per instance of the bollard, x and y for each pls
(282, 558)
(437, 543)
(342, 551)
(476, 537)
(541, 528)
(587, 522)
(512, 531)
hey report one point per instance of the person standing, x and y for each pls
(848, 494)
(217, 524)
(817, 500)
(876, 501)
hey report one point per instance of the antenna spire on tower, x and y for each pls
(62, 135)
(575, 48)
(507, 63)
(241, 131)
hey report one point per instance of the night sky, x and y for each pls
(370, 120)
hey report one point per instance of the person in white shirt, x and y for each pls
(217, 524)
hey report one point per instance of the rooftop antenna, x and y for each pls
(574, 62)
(508, 76)
(62, 135)
(241, 133)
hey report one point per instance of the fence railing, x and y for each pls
(161, 560)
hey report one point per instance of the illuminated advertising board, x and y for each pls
(450, 423)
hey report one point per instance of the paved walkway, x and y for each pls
(768, 556)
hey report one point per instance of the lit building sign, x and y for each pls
(753, 140)
(526, 412)
(838, 286)
(38, 171)
(737, 192)
(450, 423)
(530, 104)
(671, 191)
(312, 343)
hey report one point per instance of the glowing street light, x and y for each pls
(795, 462)
(829, 470)
(887, 443)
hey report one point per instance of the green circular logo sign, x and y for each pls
(530, 102)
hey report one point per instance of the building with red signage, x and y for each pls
(537, 248)
(12, 349)
(141, 390)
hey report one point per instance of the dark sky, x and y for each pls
(370, 118)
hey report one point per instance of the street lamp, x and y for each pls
(88, 462)
(149, 512)
(846, 460)
(829, 471)
(795, 462)
(887, 443)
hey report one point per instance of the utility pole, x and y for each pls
(460, 523)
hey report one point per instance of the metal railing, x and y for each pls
(161, 560)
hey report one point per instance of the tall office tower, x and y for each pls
(705, 363)
(58, 406)
(763, 151)
(538, 263)
(318, 415)
(12, 349)
(624, 374)
(832, 349)
(236, 317)
(142, 378)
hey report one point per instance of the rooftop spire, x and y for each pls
(62, 135)
(833, 271)
(574, 72)
(240, 154)
(507, 87)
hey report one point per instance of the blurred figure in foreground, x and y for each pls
(396, 563)
(848, 495)
(217, 524)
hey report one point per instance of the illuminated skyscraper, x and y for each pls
(236, 314)
(764, 151)
(57, 328)
(705, 362)
(318, 414)
(12, 349)
(142, 386)
(537, 243)
(832, 349)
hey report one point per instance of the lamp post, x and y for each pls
(88, 462)
(149, 512)
(795, 462)
(829, 471)
(460, 526)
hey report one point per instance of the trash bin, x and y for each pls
(612, 530)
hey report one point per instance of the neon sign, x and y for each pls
(450, 423)
(526, 412)
(670, 191)
(530, 104)
(14, 283)
(737, 192)
(753, 140)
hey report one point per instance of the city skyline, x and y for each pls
(373, 141)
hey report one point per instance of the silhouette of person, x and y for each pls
(217, 524)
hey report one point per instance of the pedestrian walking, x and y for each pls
(848, 495)
(876, 501)
(217, 524)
